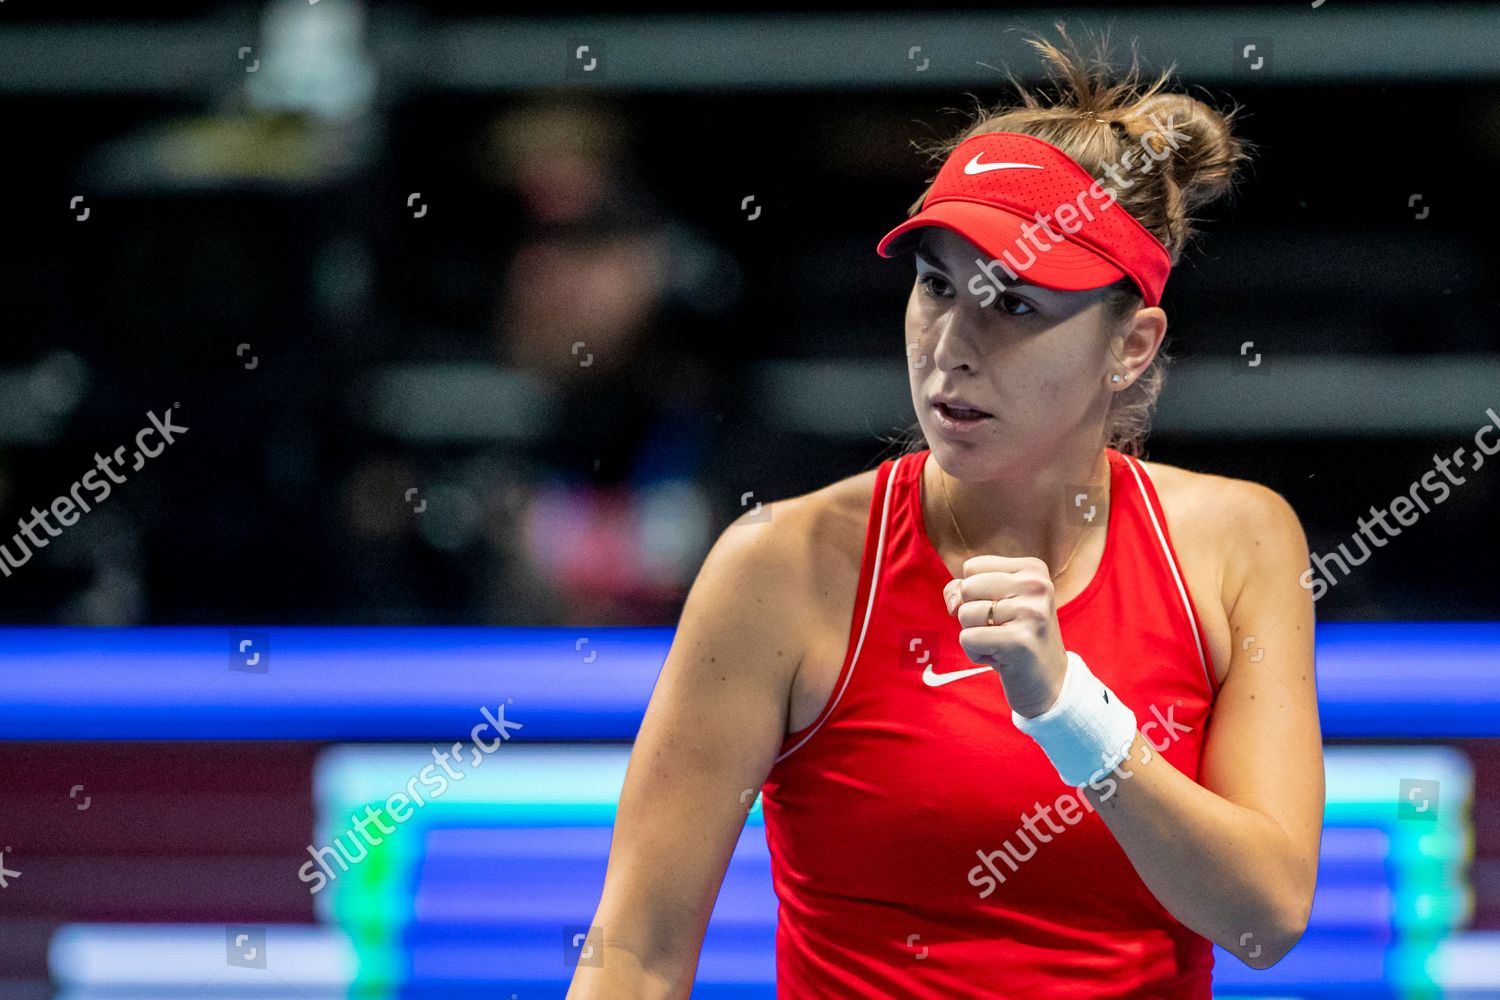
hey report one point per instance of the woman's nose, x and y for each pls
(955, 339)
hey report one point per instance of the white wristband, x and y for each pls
(1087, 732)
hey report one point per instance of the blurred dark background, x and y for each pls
(464, 334)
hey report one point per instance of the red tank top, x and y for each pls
(922, 847)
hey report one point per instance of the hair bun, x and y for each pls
(1204, 152)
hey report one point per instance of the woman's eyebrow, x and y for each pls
(930, 259)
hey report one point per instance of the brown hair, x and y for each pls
(1100, 120)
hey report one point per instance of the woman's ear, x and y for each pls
(1139, 338)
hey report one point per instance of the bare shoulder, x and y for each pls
(1235, 524)
(808, 542)
(801, 555)
(1199, 493)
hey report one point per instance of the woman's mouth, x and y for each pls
(959, 418)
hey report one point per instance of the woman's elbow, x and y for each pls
(1261, 951)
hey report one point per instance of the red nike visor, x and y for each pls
(1040, 216)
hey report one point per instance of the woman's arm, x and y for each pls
(1235, 858)
(710, 734)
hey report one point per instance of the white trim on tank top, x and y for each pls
(885, 514)
(1161, 536)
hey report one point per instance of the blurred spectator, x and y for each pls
(617, 520)
(614, 521)
(598, 512)
(559, 157)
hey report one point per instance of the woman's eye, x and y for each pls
(927, 281)
(1014, 305)
(1008, 303)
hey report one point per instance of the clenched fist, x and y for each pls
(1023, 644)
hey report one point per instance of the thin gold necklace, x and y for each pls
(944, 481)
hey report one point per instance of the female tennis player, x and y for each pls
(1030, 717)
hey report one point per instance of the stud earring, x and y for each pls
(1114, 378)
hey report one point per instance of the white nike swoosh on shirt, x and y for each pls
(975, 167)
(933, 679)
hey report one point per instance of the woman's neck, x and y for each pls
(1037, 511)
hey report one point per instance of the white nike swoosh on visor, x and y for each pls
(975, 167)
(933, 679)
